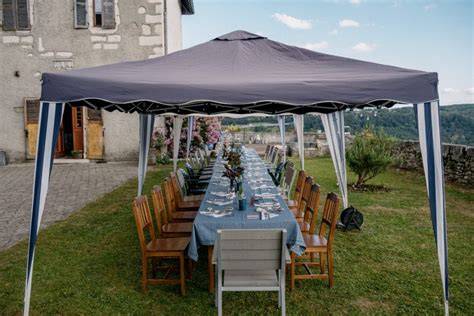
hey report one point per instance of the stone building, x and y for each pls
(39, 36)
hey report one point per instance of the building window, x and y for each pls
(80, 14)
(15, 15)
(104, 13)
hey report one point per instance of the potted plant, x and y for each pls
(76, 154)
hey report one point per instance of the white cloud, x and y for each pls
(363, 47)
(293, 22)
(450, 90)
(355, 1)
(334, 32)
(348, 23)
(317, 46)
(430, 6)
(469, 90)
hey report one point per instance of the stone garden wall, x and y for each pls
(458, 161)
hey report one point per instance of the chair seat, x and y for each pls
(168, 244)
(296, 213)
(193, 198)
(315, 243)
(177, 228)
(291, 203)
(304, 226)
(183, 216)
(246, 279)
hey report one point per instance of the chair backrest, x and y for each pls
(312, 207)
(289, 178)
(159, 207)
(331, 208)
(178, 193)
(267, 150)
(251, 249)
(183, 178)
(170, 198)
(142, 214)
(305, 194)
(299, 187)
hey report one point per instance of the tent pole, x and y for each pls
(190, 134)
(333, 124)
(146, 122)
(50, 116)
(427, 115)
(281, 123)
(177, 125)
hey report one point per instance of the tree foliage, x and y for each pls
(370, 154)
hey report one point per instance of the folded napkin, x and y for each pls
(219, 202)
(221, 194)
(216, 214)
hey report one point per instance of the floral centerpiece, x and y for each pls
(233, 171)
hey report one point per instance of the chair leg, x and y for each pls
(181, 269)
(210, 269)
(282, 294)
(190, 269)
(219, 302)
(279, 292)
(144, 273)
(322, 262)
(154, 262)
(330, 269)
(292, 270)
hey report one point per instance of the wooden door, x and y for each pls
(77, 128)
(60, 150)
(95, 134)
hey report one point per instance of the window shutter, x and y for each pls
(108, 14)
(80, 14)
(8, 15)
(23, 22)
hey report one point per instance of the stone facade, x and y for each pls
(458, 161)
(54, 44)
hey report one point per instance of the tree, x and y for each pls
(370, 154)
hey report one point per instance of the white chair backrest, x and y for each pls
(251, 249)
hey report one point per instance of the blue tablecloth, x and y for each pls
(205, 227)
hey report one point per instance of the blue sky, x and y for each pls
(418, 34)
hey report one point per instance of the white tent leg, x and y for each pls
(427, 115)
(190, 134)
(334, 128)
(48, 129)
(146, 122)
(299, 125)
(281, 124)
(177, 124)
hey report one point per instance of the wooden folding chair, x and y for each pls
(156, 248)
(311, 210)
(173, 214)
(319, 244)
(305, 193)
(293, 204)
(167, 229)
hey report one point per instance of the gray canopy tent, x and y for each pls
(242, 73)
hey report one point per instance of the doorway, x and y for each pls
(71, 134)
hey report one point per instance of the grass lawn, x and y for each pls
(90, 262)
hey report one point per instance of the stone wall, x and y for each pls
(458, 161)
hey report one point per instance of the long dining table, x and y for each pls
(265, 208)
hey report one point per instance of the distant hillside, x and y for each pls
(457, 122)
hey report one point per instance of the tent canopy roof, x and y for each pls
(240, 73)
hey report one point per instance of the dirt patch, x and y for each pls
(367, 306)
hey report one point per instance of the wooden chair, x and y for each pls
(319, 244)
(167, 229)
(308, 223)
(156, 248)
(173, 214)
(251, 260)
(183, 203)
(287, 182)
(293, 204)
(305, 194)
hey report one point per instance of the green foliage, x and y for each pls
(369, 155)
(163, 159)
(457, 122)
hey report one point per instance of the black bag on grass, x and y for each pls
(351, 219)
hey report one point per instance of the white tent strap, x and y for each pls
(189, 137)
(281, 123)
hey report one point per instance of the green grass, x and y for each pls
(90, 264)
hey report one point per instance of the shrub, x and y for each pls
(370, 154)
